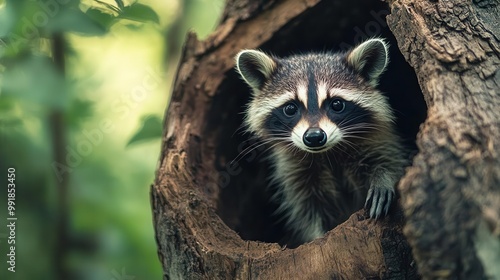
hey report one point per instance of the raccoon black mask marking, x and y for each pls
(330, 132)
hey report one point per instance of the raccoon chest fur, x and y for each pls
(330, 132)
(316, 193)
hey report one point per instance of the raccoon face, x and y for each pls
(316, 101)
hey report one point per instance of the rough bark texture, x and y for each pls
(450, 196)
(453, 187)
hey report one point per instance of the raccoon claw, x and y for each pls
(379, 200)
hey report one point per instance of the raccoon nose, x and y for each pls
(314, 137)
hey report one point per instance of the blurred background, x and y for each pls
(83, 88)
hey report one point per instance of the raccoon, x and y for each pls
(330, 134)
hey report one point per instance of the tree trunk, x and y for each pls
(207, 212)
(451, 194)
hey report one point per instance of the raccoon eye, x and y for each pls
(290, 109)
(338, 105)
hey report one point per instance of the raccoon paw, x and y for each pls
(379, 199)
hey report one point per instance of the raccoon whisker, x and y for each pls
(356, 137)
(355, 126)
(304, 157)
(251, 148)
(362, 125)
(312, 161)
(291, 148)
(333, 152)
(284, 134)
(362, 128)
(245, 152)
(359, 130)
(329, 162)
(291, 129)
(277, 143)
(350, 144)
(349, 120)
(365, 125)
(345, 140)
(239, 130)
(338, 149)
(282, 140)
(297, 150)
(346, 120)
(270, 147)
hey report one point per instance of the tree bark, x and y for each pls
(451, 194)
(206, 211)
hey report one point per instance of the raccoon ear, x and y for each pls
(370, 59)
(255, 67)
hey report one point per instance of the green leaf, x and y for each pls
(109, 6)
(104, 19)
(151, 129)
(120, 4)
(76, 21)
(139, 12)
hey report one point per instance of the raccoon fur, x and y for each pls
(330, 133)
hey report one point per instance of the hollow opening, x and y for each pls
(245, 202)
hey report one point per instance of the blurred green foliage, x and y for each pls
(83, 88)
(151, 129)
